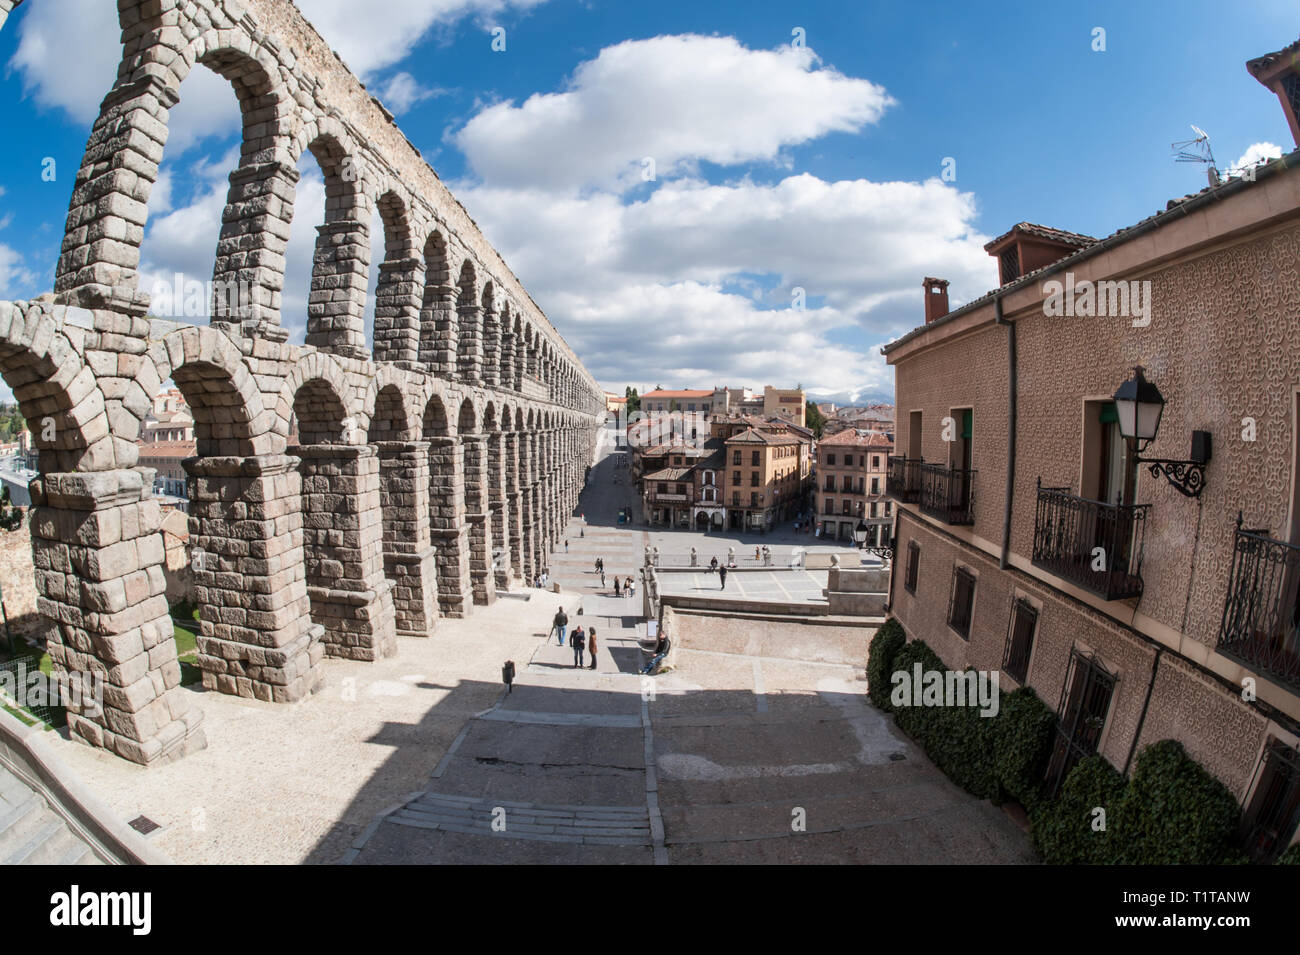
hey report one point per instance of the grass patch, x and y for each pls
(187, 653)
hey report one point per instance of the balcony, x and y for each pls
(948, 493)
(904, 482)
(1261, 613)
(1094, 545)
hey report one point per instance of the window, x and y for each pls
(1270, 821)
(962, 601)
(735, 477)
(753, 500)
(735, 498)
(663, 488)
(830, 482)
(889, 508)
(873, 508)
(1020, 640)
(681, 489)
(753, 458)
(1081, 716)
(830, 460)
(875, 462)
(844, 505)
(875, 485)
(913, 566)
(829, 507)
(735, 456)
(753, 479)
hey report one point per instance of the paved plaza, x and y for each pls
(755, 748)
(784, 586)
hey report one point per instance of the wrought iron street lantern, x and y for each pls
(860, 532)
(1139, 406)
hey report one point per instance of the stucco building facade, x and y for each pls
(1139, 612)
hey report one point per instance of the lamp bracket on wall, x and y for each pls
(1185, 477)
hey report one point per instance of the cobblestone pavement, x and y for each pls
(730, 758)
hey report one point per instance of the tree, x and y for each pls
(633, 401)
(814, 419)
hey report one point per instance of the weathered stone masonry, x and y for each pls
(420, 478)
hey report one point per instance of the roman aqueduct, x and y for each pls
(425, 475)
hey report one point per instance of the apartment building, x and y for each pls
(1126, 542)
(763, 479)
(851, 481)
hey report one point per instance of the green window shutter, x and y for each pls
(967, 423)
(1108, 413)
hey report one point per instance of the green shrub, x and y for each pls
(956, 738)
(1175, 812)
(889, 639)
(1062, 829)
(1022, 743)
(1291, 856)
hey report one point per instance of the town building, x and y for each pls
(763, 482)
(168, 419)
(851, 483)
(166, 458)
(686, 400)
(1134, 562)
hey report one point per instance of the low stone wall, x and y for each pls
(805, 641)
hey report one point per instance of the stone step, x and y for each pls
(33, 849)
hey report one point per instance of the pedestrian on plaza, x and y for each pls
(559, 623)
(591, 645)
(694, 558)
(602, 578)
(631, 587)
(713, 564)
(656, 556)
(756, 553)
(722, 572)
(579, 642)
(566, 545)
(618, 586)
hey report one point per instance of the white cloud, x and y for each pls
(17, 281)
(645, 99)
(69, 50)
(1253, 155)
(693, 285)
(401, 91)
(389, 30)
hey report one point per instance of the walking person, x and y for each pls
(618, 586)
(566, 545)
(591, 645)
(560, 622)
(756, 553)
(578, 643)
(722, 572)
(602, 578)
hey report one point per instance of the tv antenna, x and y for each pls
(1197, 150)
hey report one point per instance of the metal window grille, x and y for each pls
(1020, 640)
(1081, 715)
(1270, 822)
(961, 602)
(913, 566)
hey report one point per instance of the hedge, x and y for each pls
(988, 756)
(1175, 812)
(889, 639)
(1291, 856)
(1022, 743)
(1062, 830)
(1171, 812)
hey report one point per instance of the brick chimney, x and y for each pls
(936, 299)
(1280, 72)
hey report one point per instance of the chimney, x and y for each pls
(936, 299)
(1280, 72)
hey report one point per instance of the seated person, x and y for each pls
(662, 646)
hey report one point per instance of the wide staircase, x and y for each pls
(31, 833)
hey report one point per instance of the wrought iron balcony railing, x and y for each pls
(1261, 616)
(904, 482)
(1092, 544)
(948, 493)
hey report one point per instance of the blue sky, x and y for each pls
(777, 167)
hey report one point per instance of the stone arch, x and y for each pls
(56, 392)
(469, 311)
(210, 371)
(101, 265)
(447, 525)
(439, 329)
(334, 385)
(340, 267)
(389, 421)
